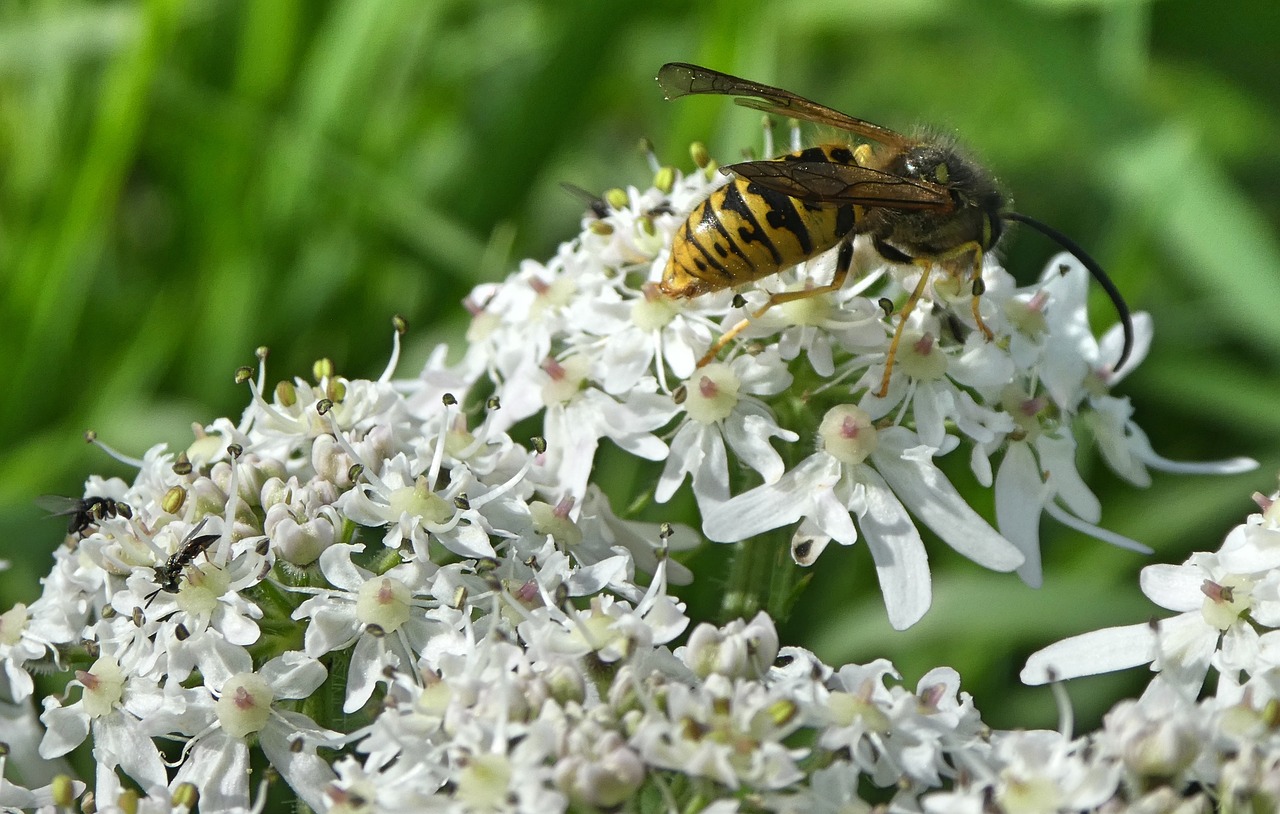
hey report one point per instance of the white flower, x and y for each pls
(501, 652)
(1157, 736)
(1034, 772)
(1214, 606)
(1038, 476)
(21, 760)
(870, 474)
(412, 510)
(115, 708)
(300, 521)
(733, 732)
(929, 380)
(819, 326)
(602, 528)
(738, 650)
(19, 643)
(205, 624)
(599, 769)
(217, 756)
(831, 789)
(719, 408)
(611, 630)
(379, 616)
(578, 415)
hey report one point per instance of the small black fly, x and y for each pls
(83, 512)
(170, 572)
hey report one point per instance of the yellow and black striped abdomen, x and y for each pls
(743, 232)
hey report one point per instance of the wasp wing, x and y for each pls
(681, 79)
(822, 182)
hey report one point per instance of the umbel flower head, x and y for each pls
(587, 342)
(377, 590)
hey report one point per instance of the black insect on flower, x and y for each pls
(83, 512)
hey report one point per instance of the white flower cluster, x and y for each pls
(588, 342)
(1228, 605)
(375, 589)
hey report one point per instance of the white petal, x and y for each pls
(711, 478)
(363, 672)
(748, 437)
(336, 565)
(1096, 532)
(902, 565)
(924, 490)
(685, 457)
(1143, 451)
(820, 354)
(1020, 497)
(1112, 343)
(217, 658)
(1250, 548)
(1099, 651)
(65, 729)
(1058, 458)
(1110, 420)
(831, 515)
(592, 579)
(293, 674)
(467, 540)
(623, 363)
(236, 627)
(763, 374)
(980, 465)
(983, 365)
(115, 742)
(218, 766)
(1186, 647)
(333, 625)
(307, 773)
(931, 406)
(981, 424)
(1175, 587)
(773, 504)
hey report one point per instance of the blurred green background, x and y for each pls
(181, 182)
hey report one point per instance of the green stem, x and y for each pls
(762, 577)
(738, 594)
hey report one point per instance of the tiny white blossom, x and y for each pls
(869, 473)
(1214, 605)
(378, 616)
(721, 411)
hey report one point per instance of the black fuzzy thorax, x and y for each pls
(977, 202)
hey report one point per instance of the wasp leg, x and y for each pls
(926, 267)
(844, 260)
(974, 250)
(975, 285)
(725, 338)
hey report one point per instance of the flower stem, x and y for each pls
(762, 577)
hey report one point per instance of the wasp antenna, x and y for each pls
(1117, 299)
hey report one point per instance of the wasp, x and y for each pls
(918, 200)
(83, 512)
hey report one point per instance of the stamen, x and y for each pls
(91, 437)
(437, 455)
(341, 440)
(400, 327)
